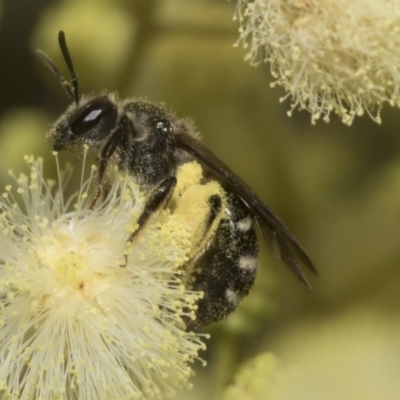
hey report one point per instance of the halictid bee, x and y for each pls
(150, 143)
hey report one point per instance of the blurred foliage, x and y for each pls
(354, 356)
(337, 188)
(256, 379)
(21, 133)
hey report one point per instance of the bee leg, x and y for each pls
(226, 271)
(156, 200)
(106, 153)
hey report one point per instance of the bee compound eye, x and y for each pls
(92, 114)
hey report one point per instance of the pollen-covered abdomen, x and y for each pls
(228, 268)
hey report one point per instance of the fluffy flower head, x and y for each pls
(85, 313)
(329, 55)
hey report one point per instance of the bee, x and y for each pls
(150, 143)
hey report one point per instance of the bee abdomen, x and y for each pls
(228, 268)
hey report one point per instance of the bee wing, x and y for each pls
(275, 233)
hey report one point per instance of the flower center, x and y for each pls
(70, 267)
(74, 259)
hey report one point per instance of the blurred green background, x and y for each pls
(337, 188)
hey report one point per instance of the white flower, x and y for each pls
(329, 55)
(83, 314)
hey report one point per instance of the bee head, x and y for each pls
(89, 122)
(89, 119)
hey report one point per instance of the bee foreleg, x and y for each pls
(156, 201)
(106, 153)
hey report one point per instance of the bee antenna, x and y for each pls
(70, 87)
(67, 57)
(56, 72)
